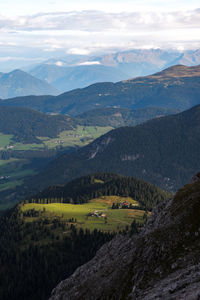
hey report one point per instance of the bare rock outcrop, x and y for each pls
(162, 262)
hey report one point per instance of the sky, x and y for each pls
(35, 30)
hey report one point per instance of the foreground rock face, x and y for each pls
(162, 262)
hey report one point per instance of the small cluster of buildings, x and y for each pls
(98, 214)
(60, 142)
(4, 177)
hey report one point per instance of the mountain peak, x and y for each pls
(17, 71)
(176, 71)
(179, 71)
(19, 83)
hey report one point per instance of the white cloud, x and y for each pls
(92, 21)
(78, 51)
(86, 32)
(89, 63)
(24, 7)
(7, 58)
(59, 63)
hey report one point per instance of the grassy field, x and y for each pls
(20, 146)
(12, 172)
(80, 136)
(115, 220)
(5, 140)
(6, 162)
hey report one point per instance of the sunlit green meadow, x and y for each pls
(114, 219)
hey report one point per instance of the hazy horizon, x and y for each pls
(33, 31)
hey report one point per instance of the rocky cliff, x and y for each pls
(162, 262)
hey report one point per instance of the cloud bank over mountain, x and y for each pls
(40, 33)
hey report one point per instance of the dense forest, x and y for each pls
(118, 117)
(96, 185)
(35, 256)
(26, 124)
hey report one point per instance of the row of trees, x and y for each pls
(83, 189)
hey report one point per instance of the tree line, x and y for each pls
(83, 189)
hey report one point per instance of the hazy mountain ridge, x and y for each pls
(72, 77)
(155, 59)
(20, 83)
(172, 92)
(78, 72)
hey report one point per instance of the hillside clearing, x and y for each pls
(113, 220)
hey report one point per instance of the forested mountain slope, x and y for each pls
(26, 124)
(83, 189)
(176, 88)
(118, 117)
(28, 138)
(164, 151)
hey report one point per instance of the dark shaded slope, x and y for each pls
(164, 151)
(26, 124)
(32, 102)
(118, 117)
(36, 255)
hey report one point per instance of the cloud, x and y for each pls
(97, 21)
(86, 32)
(78, 51)
(89, 63)
(59, 63)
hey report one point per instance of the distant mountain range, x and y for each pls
(177, 87)
(69, 78)
(163, 151)
(20, 83)
(70, 72)
(78, 71)
(141, 62)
